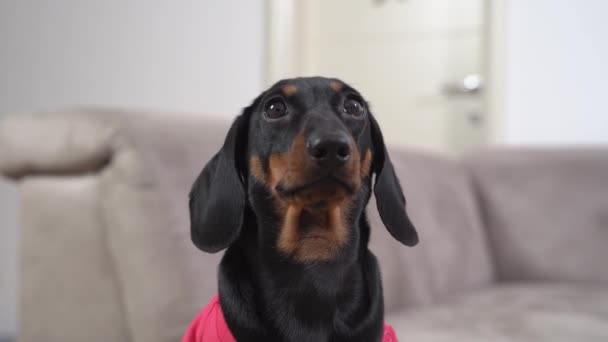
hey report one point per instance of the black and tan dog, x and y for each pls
(286, 194)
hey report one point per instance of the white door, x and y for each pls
(419, 62)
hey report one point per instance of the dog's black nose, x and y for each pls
(328, 150)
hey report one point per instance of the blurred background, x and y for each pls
(446, 76)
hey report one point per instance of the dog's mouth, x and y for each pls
(323, 189)
(314, 227)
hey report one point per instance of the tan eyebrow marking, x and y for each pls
(289, 90)
(337, 86)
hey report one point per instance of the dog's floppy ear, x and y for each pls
(387, 190)
(217, 198)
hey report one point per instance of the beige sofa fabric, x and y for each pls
(107, 254)
(142, 166)
(546, 212)
(528, 312)
(60, 143)
(166, 280)
(68, 284)
(452, 255)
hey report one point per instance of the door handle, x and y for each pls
(469, 85)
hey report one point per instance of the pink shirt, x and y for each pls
(210, 326)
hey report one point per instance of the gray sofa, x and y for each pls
(514, 244)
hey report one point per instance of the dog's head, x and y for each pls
(301, 157)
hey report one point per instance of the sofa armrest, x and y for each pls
(84, 140)
(140, 167)
(57, 143)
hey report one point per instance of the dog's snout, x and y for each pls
(328, 150)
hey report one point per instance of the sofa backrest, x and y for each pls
(452, 256)
(546, 212)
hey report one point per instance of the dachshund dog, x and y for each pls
(286, 195)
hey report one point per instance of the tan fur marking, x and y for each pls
(289, 90)
(323, 231)
(289, 237)
(319, 241)
(256, 169)
(278, 164)
(353, 168)
(336, 86)
(367, 164)
(292, 167)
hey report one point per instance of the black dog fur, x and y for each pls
(276, 283)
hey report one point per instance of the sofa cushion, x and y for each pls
(525, 312)
(165, 279)
(452, 255)
(546, 212)
(68, 287)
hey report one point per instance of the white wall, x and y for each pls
(180, 55)
(184, 55)
(556, 72)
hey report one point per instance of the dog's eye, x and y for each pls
(275, 109)
(353, 107)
